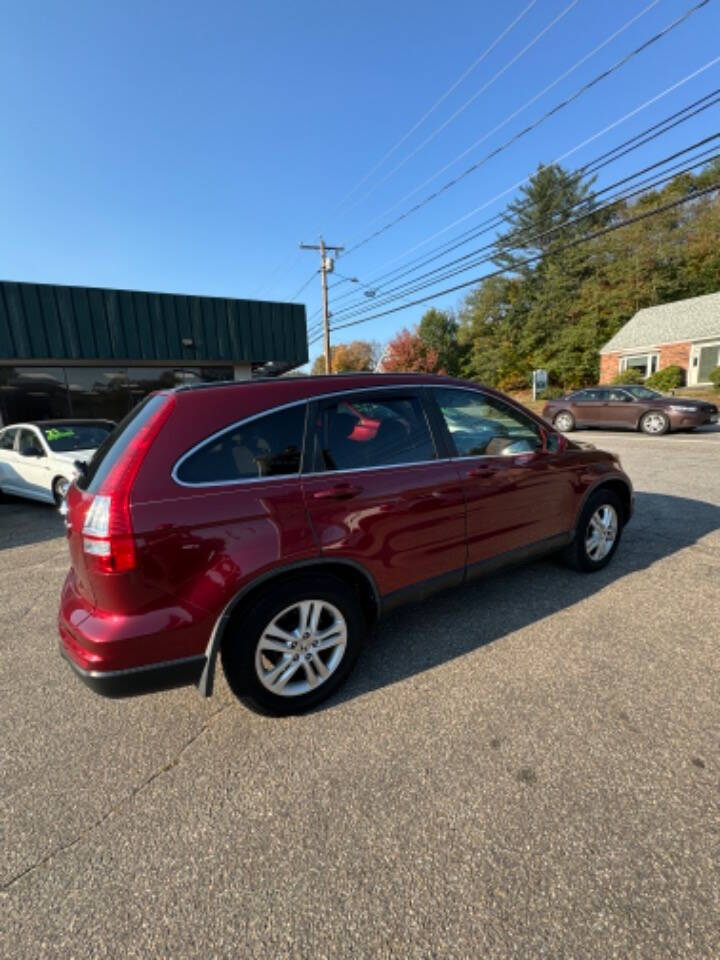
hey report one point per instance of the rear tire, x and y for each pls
(654, 423)
(564, 421)
(295, 645)
(597, 534)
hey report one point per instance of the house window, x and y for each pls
(646, 363)
(709, 359)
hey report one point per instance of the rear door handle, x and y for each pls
(341, 491)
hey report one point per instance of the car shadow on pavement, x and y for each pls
(23, 522)
(461, 620)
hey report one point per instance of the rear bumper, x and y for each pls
(121, 655)
(138, 680)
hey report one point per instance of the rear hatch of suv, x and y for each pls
(99, 523)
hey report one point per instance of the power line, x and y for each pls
(585, 239)
(519, 110)
(304, 286)
(444, 271)
(568, 153)
(628, 193)
(536, 123)
(463, 76)
(467, 103)
(591, 167)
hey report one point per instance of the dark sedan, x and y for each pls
(629, 407)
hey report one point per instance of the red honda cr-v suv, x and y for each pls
(272, 522)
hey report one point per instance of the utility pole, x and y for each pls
(327, 265)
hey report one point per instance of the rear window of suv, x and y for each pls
(109, 451)
(266, 446)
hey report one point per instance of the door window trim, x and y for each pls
(423, 391)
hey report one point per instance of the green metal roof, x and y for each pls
(43, 321)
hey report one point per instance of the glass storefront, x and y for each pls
(108, 393)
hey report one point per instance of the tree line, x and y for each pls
(555, 298)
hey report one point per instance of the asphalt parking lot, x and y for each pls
(528, 767)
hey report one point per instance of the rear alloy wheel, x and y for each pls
(597, 534)
(654, 423)
(564, 421)
(296, 646)
(60, 489)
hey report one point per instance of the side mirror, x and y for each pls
(555, 442)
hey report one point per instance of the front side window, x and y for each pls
(644, 393)
(267, 446)
(354, 433)
(484, 426)
(30, 445)
(618, 396)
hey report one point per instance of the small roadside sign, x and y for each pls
(539, 382)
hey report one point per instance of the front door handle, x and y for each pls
(341, 491)
(486, 470)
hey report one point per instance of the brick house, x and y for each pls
(686, 333)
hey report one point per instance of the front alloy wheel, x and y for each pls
(60, 489)
(301, 648)
(597, 533)
(654, 423)
(601, 532)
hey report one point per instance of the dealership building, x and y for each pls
(69, 351)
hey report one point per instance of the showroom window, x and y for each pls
(32, 393)
(98, 393)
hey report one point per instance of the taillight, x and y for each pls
(108, 539)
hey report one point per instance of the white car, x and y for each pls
(37, 460)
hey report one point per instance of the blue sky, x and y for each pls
(189, 147)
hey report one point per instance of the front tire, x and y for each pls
(295, 645)
(564, 422)
(597, 534)
(60, 489)
(654, 423)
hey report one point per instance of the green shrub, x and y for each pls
(631, 375)
(715, 378)
(552, 393)
(667, 379)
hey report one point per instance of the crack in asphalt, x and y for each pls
(124, 801)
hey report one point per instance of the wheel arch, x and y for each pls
(350, 572)
(618, 486)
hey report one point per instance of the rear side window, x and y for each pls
(268, 446)
(354, 433)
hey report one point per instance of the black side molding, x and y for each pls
(420, 591)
